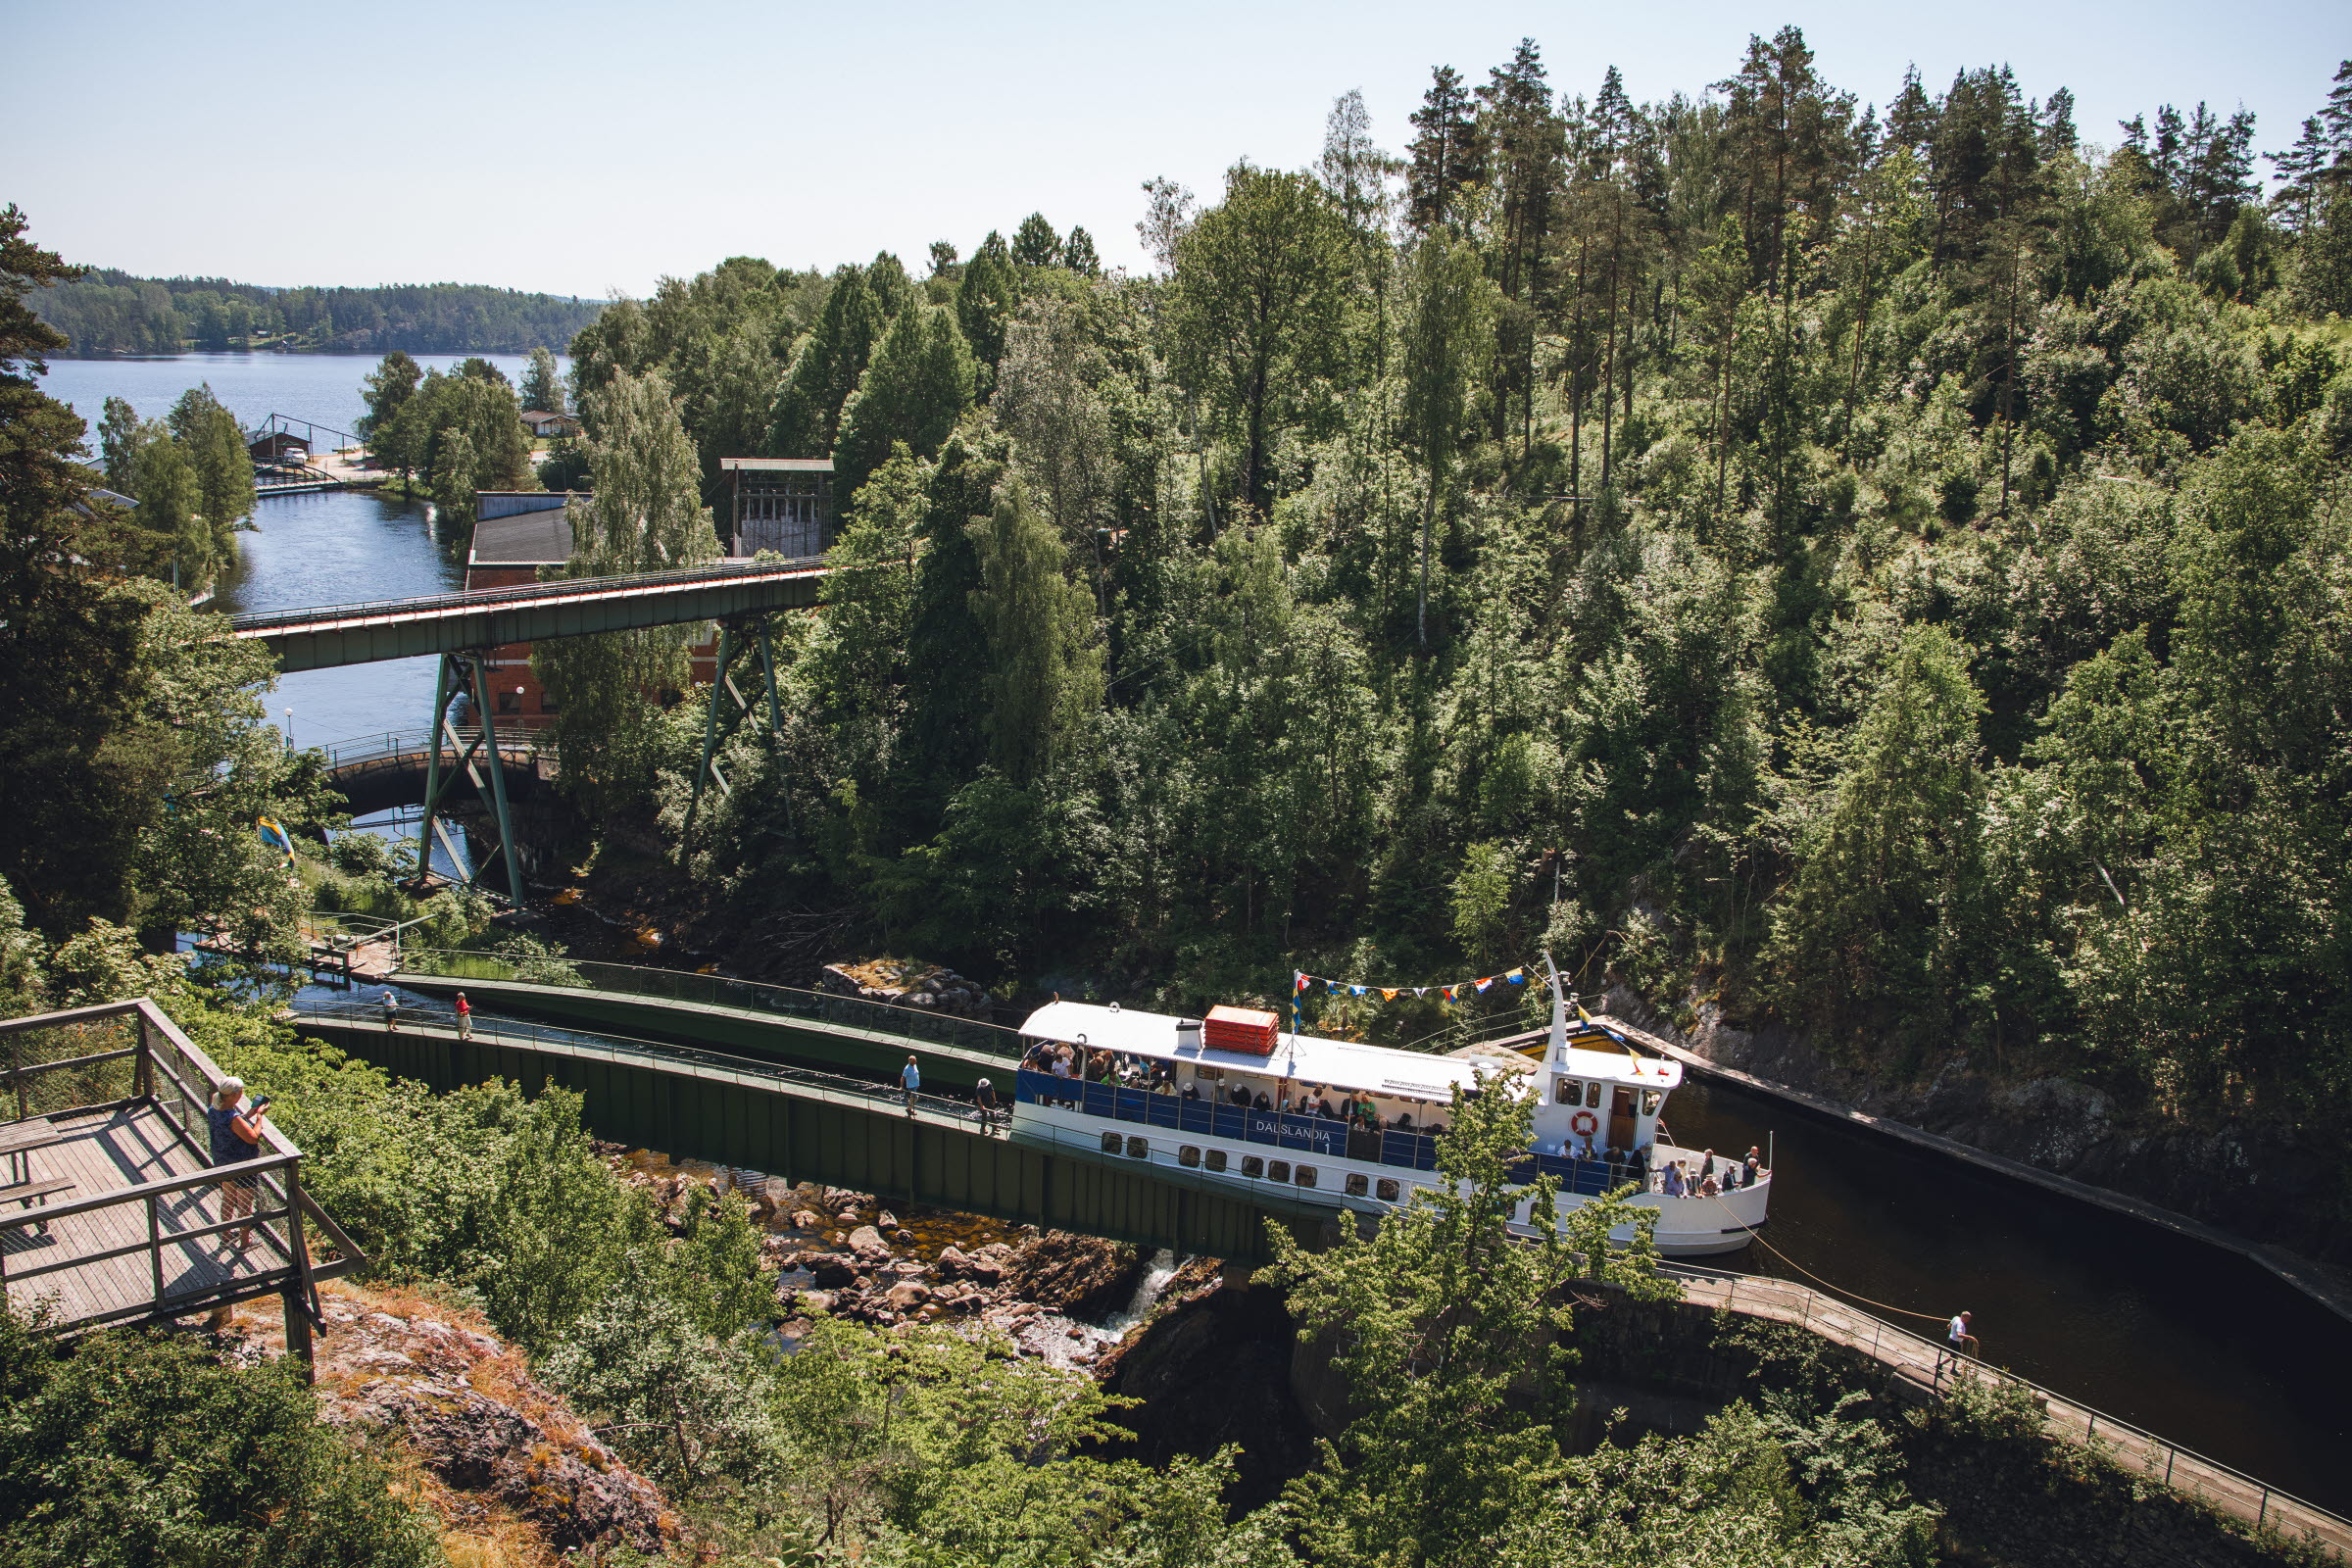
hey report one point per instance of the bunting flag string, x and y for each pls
(1301, 983)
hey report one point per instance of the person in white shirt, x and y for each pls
(1958, 1343)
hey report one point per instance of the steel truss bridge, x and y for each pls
(461, 629)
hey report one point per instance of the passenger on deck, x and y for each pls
(1674, 1180)
(1191, 1088)
(1240, 1096)
(1262, 1102)
(1403, 1122)
(1706, 1167)
(1751, 1165)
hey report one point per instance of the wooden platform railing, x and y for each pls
(165, 1072)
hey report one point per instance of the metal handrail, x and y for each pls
(625, 1048)
(752, 995)
(355, 750)
(1883, 1333)
(492, 598)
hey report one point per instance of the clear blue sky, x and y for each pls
(586, 148)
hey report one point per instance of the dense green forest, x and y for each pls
(1882, 570)
(107, 312)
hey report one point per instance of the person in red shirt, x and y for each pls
(465, 1017)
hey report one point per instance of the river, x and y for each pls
(2204, 1348)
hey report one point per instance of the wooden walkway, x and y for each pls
(110, 1152)
(1924, 1364)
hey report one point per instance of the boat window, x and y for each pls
(1216, 1160)
(1563, 1091)
(1592, 1095)
(1386, 1190)
(1111, 1142)
(1279, 1171)
(1252, 1167)
(1359, 1185)
(1188, 1156)
(1138, 1149)
(1651, 1100)
(1305, 1176)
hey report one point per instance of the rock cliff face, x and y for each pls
(908, 983)
(498, 1454)
(1214, 1367)
(2210, 1172)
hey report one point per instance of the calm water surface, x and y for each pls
(331, 548)
(2203, 1348)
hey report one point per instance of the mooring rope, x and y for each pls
(1754, 1236)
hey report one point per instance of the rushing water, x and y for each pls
(2200, 1345)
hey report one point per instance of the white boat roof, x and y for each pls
(1312, 1059)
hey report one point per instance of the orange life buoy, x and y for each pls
(1585, 1123)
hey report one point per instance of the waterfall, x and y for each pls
(1157, 1274)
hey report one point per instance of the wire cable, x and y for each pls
(1754, 1236)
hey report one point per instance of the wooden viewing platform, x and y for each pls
(1931, 1372)
(112, 1211)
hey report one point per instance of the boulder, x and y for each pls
(907, 1295)
(867, 1243)
(830, 1270)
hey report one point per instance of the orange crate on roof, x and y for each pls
(1240, 1029)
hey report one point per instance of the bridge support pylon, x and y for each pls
(468, 674)
(724, 693)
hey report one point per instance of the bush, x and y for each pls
(135, 1447)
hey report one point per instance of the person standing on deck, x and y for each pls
(911, 1079)
(391, 1011)
(465, 1017)
(236, 1137)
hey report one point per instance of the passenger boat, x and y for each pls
(1182, 1094)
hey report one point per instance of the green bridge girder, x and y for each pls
(332, 636)
(748, 1115)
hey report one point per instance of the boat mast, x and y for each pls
(1555, 1050)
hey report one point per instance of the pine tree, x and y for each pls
(1445, 154)
(1526, 143)
(1078, 253)
(1448, 306)
(1035, 244)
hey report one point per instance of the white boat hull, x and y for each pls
(1687, 1227)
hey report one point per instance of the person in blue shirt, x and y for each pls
(236, 1137)
(911, 1079)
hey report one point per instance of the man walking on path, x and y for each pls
(465, 1017)
(911, 1079)
(391, 1011)
(1958, 1345)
